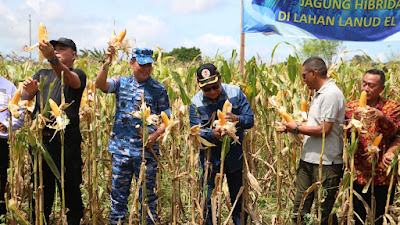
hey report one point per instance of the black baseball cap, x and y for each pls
(207, 74)
(65, 41)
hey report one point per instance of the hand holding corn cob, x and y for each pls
(43, 38)
(116, 43)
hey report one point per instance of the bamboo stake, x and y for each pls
(351, 208)
(242, 43)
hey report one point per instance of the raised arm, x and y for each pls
(70, 78)
(101, 79)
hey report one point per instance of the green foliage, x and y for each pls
(326, 49)
(95, 53)
(185, 54)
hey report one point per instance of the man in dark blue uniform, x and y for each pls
(203, 109)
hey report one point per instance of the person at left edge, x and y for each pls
(126, 143)
(7, 91)
(61, 55)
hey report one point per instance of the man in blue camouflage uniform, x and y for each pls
(203, 110)
(126, 141)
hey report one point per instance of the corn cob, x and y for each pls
(303, 105)
(225, 107)
(16, 97)
(165, 119)
(148, 111)
(121, 36)
(83, 99)
(378, 140)
(285, 115)
(42, 32)
(221, 118)
(363, 100)
(54, 107)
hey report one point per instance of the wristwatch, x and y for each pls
(54, 60)
(296, 130)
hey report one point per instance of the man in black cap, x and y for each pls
(203, 111)
(61, 55)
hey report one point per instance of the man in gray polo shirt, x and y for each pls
(327, 112)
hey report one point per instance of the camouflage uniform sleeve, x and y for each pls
(113, 85)
(163, 103)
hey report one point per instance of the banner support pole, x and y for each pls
(242, 43)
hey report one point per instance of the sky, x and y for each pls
(211, 25)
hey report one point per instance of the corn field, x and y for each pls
(271, 158)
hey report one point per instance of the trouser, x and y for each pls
(234, 180)
(307, 174)
(123, 169)
(4, 158)
(380, 193)
(72, 176)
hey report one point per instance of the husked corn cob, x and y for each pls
(225, 107)
(54, 107)
(378, 140)
(303, 105)
(363, 100)
(16, 97)
(221, 118)
(165, 119)
(42, 32)
(285, 115)
(148, 111)
(121, 36)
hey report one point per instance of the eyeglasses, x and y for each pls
(214, 87)
(304, 74)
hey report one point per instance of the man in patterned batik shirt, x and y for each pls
(126, 141)
(383, 115)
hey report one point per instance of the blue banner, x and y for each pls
(346, 20)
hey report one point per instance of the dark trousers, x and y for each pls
(72, 176)
(380, 193)
(307, 174)
(234, 183)
(4, 158)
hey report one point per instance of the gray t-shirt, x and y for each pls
(327, 105)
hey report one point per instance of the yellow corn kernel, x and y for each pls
(121, 36)
(363, 100)
(303, 105)
(221, 118)
(54, 107)
(16, 97)
(378, 140)
(83, 99)
(225, 107)
(42, 32)
(279, 95)
(165, 119)
(91, 87)
(148, 111)
(29, 103)
(285, 115)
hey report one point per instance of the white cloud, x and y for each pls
(147, 31)
(210, 44)
(187, 6)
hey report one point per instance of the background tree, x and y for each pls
(326, 49)
(184, 54)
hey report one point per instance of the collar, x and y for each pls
(140, 84)
(325, 86)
